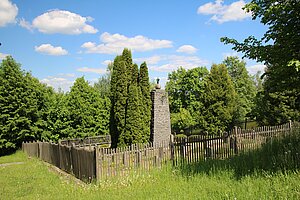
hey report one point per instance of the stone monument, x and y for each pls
(160, 116)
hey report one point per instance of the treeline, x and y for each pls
(118, 104)
(217, 100)
(30, 110)
(212, 101)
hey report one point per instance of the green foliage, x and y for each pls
(145, 103)
(186, 91)
(103, 84)
(132, 133)
(244, 87)
(58, 119)
(182, 121)
(23, 105)
(220, 100)
(278, 49)
(130, 98)
(89, 113)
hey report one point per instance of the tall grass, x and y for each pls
(280, 154)
(248, 176)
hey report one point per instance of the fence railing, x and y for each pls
(88, 141)
(137, 158)
(89, 162)
(201, 147)
(79, 161)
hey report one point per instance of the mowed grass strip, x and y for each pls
(34, 180)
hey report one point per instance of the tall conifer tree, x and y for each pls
(145, 101)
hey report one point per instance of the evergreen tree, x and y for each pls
(244, 87)
(119, 100)
(219, 100)
(23, 103)
(127, 58)
(88, 113)
(130, 102)
(133, 127)
(146, 104)
(58, 119)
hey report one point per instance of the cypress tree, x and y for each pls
(127, 58)
(113, 85)
(133, 128)
(130, 102)
(119, 96)
(145, 101)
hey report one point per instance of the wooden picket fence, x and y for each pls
(202, 147)
(76, 160)
(135, 158)
(90, 161)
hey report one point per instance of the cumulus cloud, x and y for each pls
(115, 43)
(51, 50)
(92, 70)
(107, 62)
(60, 82)
(61, 21)
(189, 49)
(8, 12)
(3, 56)
(255, 68)
(149, 60)
(224, 13)
(173, 62)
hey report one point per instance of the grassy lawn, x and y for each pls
(34, 180)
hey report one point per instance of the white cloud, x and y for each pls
(115, 43)
(8, 12)
(51, 50)
(64, 22)
(230, 54)
(107, 62)
(255, 68)
(173, 62)
(224, 13)
(3, 56)
(67, 75)
(150, 60)
(58, 82)
(189, 49)
(92, 70)
(25, 24)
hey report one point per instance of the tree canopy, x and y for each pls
(279, 50)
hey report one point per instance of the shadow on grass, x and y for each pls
(277, 155)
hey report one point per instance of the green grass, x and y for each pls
(271, 172)
(16, 157)
(33, 180)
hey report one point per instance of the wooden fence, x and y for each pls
(88, 162)
(89, 141)
(201, 147)
(79, 161)
(137, 158)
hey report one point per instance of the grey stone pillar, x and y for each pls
(160, 117)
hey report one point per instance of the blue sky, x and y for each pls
(60, 40)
